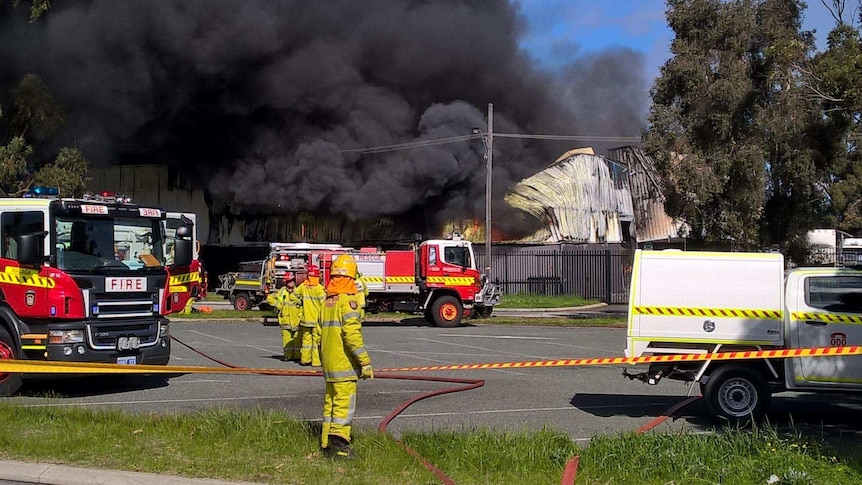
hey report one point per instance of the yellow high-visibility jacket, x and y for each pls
(289, 307)
(361, 294)
(312, 302)
(342, 348)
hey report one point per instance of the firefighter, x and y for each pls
(312, 294)
(361, 294)
(289, 309)
(343, 356)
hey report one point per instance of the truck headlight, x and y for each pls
(164, 330)
(65, 336)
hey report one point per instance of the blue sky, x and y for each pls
(560, 30)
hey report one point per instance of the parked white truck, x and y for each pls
(707, 302)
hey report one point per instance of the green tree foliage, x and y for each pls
(34, 115)
(37, 8)
(13, 166)
(67, 173)
(836, 80)
(730, 125)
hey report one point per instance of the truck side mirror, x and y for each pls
(184, 230)
(30, 249)
(182, 252)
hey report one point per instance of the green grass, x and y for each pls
(255, 315)
(523, 300)
(272, 447)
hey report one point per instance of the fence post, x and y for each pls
(608, 276)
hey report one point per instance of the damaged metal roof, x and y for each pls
(584, 198)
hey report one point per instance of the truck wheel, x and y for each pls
(484, 312)
(9, 383)
(446, 311)
(737, 394)
(241, 302)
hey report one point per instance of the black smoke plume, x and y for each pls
(261, 102)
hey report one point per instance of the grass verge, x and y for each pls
(271, 447)
(523, 300)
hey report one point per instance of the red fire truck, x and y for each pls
(84, 280)
(186, 281)
(439, 278)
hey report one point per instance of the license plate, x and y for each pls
(130, 360)
(116, 284)
(128, 343)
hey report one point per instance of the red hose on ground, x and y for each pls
(570, 471)
(468, 384)
(663, 417)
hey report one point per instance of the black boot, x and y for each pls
(338, 448)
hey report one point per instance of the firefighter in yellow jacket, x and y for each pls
(289, 309)
(361, 294)
(343, 356)
(312, 294)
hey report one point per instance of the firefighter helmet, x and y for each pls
(288, 277)
(343, 265)
(313, 271)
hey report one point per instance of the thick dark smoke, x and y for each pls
(262, 101)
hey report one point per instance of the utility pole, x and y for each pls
(489, 161)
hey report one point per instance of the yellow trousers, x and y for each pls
(338, 407)
(309, 340)
(289, 343)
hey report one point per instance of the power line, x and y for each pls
(455, 139)
(411, 145)
(617, 139)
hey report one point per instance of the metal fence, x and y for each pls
(596, 274)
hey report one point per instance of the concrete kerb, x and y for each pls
(45, 473)
(550, 310)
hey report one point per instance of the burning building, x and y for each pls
(585, 198)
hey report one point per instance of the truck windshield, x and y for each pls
(84, 244)
(459, 255)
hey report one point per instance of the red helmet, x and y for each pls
(313, 271)
(288, 277)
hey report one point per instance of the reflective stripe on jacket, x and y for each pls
(289, 307)
(342, 348)
(312, 302)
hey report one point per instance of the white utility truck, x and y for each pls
(707, 302)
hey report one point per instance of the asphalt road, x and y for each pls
(581, 401)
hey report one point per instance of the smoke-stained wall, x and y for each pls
(264, 104)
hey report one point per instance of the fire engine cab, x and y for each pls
(84, 280)
(186, 282)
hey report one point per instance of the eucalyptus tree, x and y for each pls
(834, 79)
(731, 127)
(32, 115)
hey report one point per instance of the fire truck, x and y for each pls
(438, 278)
(84, 280)
(248, 287)
(185, 281)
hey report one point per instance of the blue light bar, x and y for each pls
(40, 191)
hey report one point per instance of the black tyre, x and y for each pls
(484, 311)
(241, 301)
(447, 311)
(737, 394)
(9, 383)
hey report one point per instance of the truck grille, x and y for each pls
(103, 336)
(130, 305)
